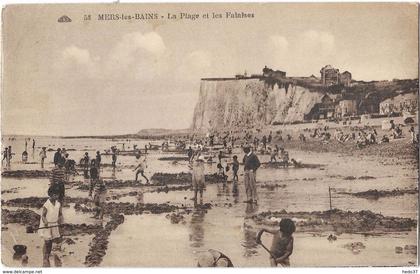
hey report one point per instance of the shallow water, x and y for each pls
(225, 226)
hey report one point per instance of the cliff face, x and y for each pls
(225, 104)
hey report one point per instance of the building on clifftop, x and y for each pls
(331, 76)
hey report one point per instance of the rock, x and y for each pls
(355, 247)
(175, 218)
(410, 249)
(332, 237)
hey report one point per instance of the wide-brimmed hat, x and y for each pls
(206, 259)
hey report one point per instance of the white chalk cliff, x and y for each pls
(233, 103)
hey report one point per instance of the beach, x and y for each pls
(138, 216)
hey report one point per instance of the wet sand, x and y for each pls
(161, 219)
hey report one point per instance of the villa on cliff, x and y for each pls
(331, 76)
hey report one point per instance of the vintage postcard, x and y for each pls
(209, 135)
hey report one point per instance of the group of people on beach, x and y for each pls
(251, 164)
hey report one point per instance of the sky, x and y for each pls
(117, 77)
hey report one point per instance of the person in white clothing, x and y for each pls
(198, 178)
(142, 165)
(51, 218)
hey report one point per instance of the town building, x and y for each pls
(324, 109)
(345, 79)
(369, 103)
(346, 107)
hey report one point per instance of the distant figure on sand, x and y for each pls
(97, 189)
(251, 164)
(274, 154)
(57, 156)
(114, 156)
(85, 164)
(24, 156)
(142, 165)
(190, 154)
(94, 176)
(282, 245)
(6, 157)
(413, 135)
(235, 168)
(198, 179)
(98, 160)
(43, 155)
(213, 258)
(51, 218)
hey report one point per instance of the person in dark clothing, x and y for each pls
(269, 138)
(264, 142)
(57, 156)
(251, 164)
(235, 168)
(220, 156)
(114, 156)
(57, 180)
(94, 176)
(98, 159)
(190, 154)
(85, 163)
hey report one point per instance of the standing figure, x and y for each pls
(141, 166)
(58, 179)
(235, 168)
(114, 156)
(251, 164)
(274, 154)
(43, 155)
(190, 154)
(85, 163)
(413, 135)
(6, 157)
(198, 179)
(98, 160)
(51, 218)
(94, 176)
(57, 156)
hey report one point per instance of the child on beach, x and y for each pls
(51, 217)
(43, 155)
(99, 196)
(142, 165)
(198, 179)
(282, 245)
(235, 168)
(94, 176)
(57, 179)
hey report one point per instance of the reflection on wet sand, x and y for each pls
(249, 242)
(197, 229)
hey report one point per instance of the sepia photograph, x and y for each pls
(209, 135)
